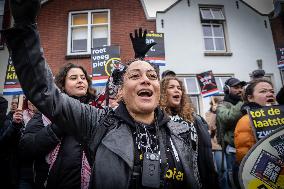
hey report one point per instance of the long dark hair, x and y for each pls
(60, 78)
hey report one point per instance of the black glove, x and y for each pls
(139, 43)
(24, 11)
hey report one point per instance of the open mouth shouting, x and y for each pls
(145, 93)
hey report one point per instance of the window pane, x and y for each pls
(219, 84)
(195, 103)
(191, 85)
(207, 31)
(99, 36)
(99, 18)
(217, 14)
(218, 31)
(206, 14)
(209, 44)
(79, 39)
(80, 19)
(220, 44)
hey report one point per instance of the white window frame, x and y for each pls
(211, 11)
(215, 37)
(89, 30)
(219, 78)
(217, 22)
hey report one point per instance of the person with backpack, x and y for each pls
(227, 115)
(191, 127)
(132, 153)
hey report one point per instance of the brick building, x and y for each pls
(68, 28)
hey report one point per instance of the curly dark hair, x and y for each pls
(185, 109)
(251, 85)
(61, 76)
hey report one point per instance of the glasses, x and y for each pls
(138, 74)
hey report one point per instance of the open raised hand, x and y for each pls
(139, 43)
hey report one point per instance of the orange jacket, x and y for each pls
(243, 137)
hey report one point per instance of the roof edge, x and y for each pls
(242, 1)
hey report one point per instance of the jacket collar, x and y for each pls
(119, 140)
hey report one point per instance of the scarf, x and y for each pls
(85, 168)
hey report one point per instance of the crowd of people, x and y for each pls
(146, 134)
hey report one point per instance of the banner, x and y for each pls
(12, 85)
(156, 54)
(207, 83)
(265, 120)
(104, 59)
(263, 165)
(280, 57)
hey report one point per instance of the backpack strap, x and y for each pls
(105, 125)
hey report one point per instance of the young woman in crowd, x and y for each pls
(69, 167)
(192, 128)
(258, 93)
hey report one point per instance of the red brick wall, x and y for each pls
(126, 15)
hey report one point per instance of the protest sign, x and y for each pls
(207, 83)
(12, 85)
(280, 56)
(156, 54)
(104, 59)
(263, 165)
(266, 119)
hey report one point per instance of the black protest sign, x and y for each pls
(12, 85)
(207, 83)
(263, 165)
(104, 59)
(157, 53)
(266, 119)
(280, 56)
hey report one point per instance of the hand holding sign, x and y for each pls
(139, 43)
(24, 11)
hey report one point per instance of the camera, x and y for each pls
(151, 170)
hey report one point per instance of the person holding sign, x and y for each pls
(191, 127)
(132, 153)
(258, 93)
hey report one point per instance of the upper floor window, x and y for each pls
(87, 29)
(213, 21)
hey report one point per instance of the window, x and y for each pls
(212, 21)
(220, 80)
(88, 29)
(192, 89)
(2, 4)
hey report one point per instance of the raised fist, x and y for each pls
(24, 11)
